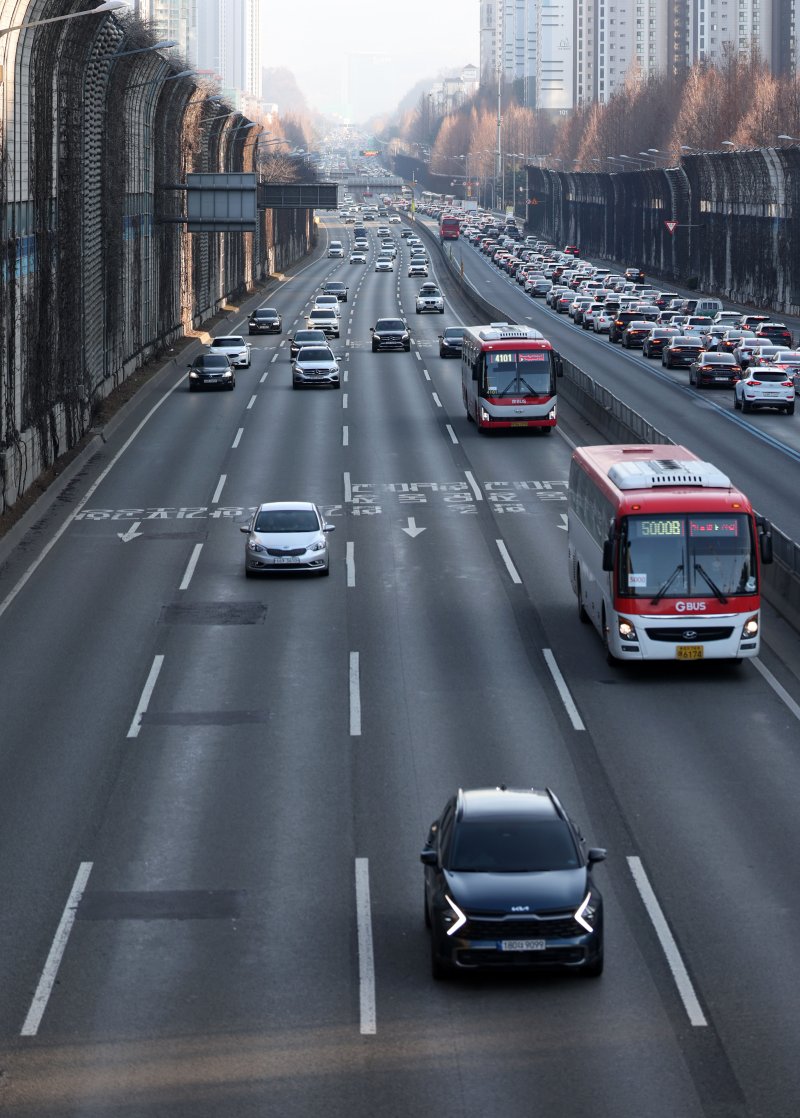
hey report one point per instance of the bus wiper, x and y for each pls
(665, 587)
(717, 592)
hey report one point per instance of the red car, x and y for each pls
(571, 250)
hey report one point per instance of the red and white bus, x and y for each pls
(449, 228)
(508, 377)
(665, 554)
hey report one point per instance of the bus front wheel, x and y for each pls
(610, 657)
(583, 616)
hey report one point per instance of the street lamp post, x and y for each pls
(791, 139)
(107, 6)
(160, 81)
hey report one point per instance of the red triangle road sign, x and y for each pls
(671, 226)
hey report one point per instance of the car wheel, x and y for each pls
(231, 386)
(737, 403)
(439, 970)
(192, 387)
(583, 616)
(418, 311)
(441, 310)
(425, 908)
(248, 573)
(374, 348)
(745, 405)
(790, 409)
(593, 969)
(326, 570)
(407, 348)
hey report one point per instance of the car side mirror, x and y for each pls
(372, 329)
(244, 528)
(328, 527)
(429, 857)
(595, 854)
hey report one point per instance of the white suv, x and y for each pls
(765, 386)
(430, 299)
(323, 318)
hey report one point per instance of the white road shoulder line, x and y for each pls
(451, 433)
(190, 566)
(667, 941)
(366, 957)
(563, 690)
(777, 687)
(350, 563)
(251, 402)
(426, 374)
(512, 570)
(47, 980)
(355, 697)
(274, 357)
(265, 374)
(144, 701)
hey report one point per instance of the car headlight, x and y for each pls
(626, 629)
(377, 337)
(586, 912)
(751, 626)
(228, 373)
(455, 921)
(317, 545)
(194, 375)
(254, 545)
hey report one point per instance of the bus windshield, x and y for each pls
(518, 373)
(687, 555)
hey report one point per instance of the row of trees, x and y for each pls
(738, 101)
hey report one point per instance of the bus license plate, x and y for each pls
(518, 425)
(689, 652)
(522, 944)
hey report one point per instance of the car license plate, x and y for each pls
(522, 944)
(771, 394)
(689, 652)
(283, 559)
(724, 379)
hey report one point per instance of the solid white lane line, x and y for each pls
(512, 570)
(563, 690)
(144, 701)
(350, 563)
(49, 973)
(426, 374)
(366, 957)
(348, 493)
(777, 687)
(238, 438)
(473, 485)
(451, 433)
(265, 375)
(190, 566)
(667, 941)
(345, 435)
(436, 400)
(355, 697)
(218, 491)
(252, 401)
(344, 399)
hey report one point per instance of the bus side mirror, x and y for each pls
(474, 372)
(608, 555)
(765, 539)
(559, 364)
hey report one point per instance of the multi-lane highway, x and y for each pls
(214, 790)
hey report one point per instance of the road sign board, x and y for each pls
(671, 226)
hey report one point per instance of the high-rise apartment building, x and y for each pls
(508, 43)
(172, 19)
(229, 43)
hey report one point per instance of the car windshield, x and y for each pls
(389, 324)
(672, 556)
(518, 374)
(454, 333)
(315, 353)
(513, 846)
(209, 361)
(287, 520)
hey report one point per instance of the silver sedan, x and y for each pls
(286, 535)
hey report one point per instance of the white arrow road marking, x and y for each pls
(563, 524)
(412, 529)
(131, 534)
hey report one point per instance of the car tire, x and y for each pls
(248, 573)
(425, 909)
(407, 348)
(374, 348)
(441, 310)
(790, 409)
(736, 402)
(418, 311)
(745, 405)
(192, 387)
(231, 386)
(325, 570)
(439, 970)
(593, 969)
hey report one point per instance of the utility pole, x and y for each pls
(499, 161)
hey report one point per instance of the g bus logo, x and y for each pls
(690, 607)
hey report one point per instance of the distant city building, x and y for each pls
(449, 94)
(228, 43)
(172, 19)
(569, 52)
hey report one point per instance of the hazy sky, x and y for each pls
(406, 39)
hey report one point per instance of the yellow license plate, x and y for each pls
(519, 425)
(689, 652)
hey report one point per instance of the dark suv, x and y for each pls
(508, 884)
(265, 320)
(619, 323)
(390, 333)
(211, 370)
(337, 288)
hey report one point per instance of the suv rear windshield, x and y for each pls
(513, 846)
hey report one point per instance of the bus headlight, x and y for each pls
(626, 629)
(751, 626)
(485, 417)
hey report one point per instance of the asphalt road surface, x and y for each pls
(214, 791)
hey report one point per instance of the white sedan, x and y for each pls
(235, 348)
